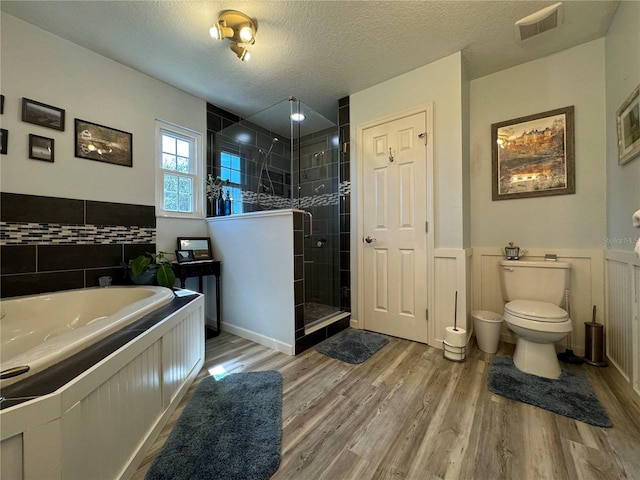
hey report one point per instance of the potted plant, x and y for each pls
(151, 268)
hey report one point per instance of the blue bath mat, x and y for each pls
(230, 429)
(571, 395)
(353, 346)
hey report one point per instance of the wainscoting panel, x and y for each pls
(452, 273)
(586, 287)
(622, 330)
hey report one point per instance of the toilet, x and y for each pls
(534, 292)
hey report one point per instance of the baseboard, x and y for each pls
(259, 338)
(354, 323)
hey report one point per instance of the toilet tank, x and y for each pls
(541, 281)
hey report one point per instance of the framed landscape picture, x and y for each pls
(103, 144)
(42, 114)
(534, 156)
(628, 119)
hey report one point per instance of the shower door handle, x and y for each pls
(310, 224)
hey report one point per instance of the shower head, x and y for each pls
(275, 139)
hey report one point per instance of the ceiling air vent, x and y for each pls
(548, 18)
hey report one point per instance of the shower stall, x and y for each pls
(286, 159)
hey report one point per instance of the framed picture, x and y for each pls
(41, 148)
(4, 137)
(628, 117)
(103, 144)
(42, 114)
(201, 247)
(184, 256)
(534, 156)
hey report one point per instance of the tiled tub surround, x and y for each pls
(49, 244)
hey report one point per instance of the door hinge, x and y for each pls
(426, 227)
(423, 135)
(426, 314)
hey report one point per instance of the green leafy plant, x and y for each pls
(153, 267)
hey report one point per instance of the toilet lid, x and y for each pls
(539, 311)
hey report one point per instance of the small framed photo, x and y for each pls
(4, 137)
(42, 114)
(534, 156)
(628, 118)
(41, 148)
(201, 247)
(103, 144)
(184, 256)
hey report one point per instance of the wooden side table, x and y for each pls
(201, 269)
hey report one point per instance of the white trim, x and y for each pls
(427, 108)
(259, 338)
(198, 176)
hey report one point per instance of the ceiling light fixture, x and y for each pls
(238, 28)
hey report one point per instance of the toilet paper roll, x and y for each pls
(636, 219)
(455, 338)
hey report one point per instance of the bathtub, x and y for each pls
(41, 330)
(95, 414)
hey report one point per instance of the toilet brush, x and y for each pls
(568, 356)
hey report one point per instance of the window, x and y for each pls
(231, 170)
(179, 179)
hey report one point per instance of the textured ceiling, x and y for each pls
(317, 51)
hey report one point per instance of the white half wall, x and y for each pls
(257, 277)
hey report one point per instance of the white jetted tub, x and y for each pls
(100, 385)
(41, 330)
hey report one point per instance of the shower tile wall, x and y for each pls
(345, 204)
(49, 244)
(223, 130)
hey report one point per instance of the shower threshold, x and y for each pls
(324, 321)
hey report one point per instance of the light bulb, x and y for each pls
(246, 34)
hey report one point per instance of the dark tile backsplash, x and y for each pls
(49, 244)
(36, 209)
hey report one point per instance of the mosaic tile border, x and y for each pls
(273, 202)
(27, 233)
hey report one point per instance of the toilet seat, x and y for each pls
(536, 311)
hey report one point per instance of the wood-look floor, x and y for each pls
(409, 413)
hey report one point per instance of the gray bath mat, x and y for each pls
(353, 346)
(230, 429)
(571, 395)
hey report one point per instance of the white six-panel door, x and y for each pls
(394, 226)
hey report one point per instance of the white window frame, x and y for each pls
(197, 169)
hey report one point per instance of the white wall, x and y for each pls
(257, 287)
(439, 82)
(43, 67)
(623, 75)
(622, 66)
(571, 226)
(572, 77)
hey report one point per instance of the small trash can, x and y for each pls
(487, 326)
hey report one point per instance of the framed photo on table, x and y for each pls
(184, 256)
(201, 247)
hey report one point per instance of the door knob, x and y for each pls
(369, 239)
